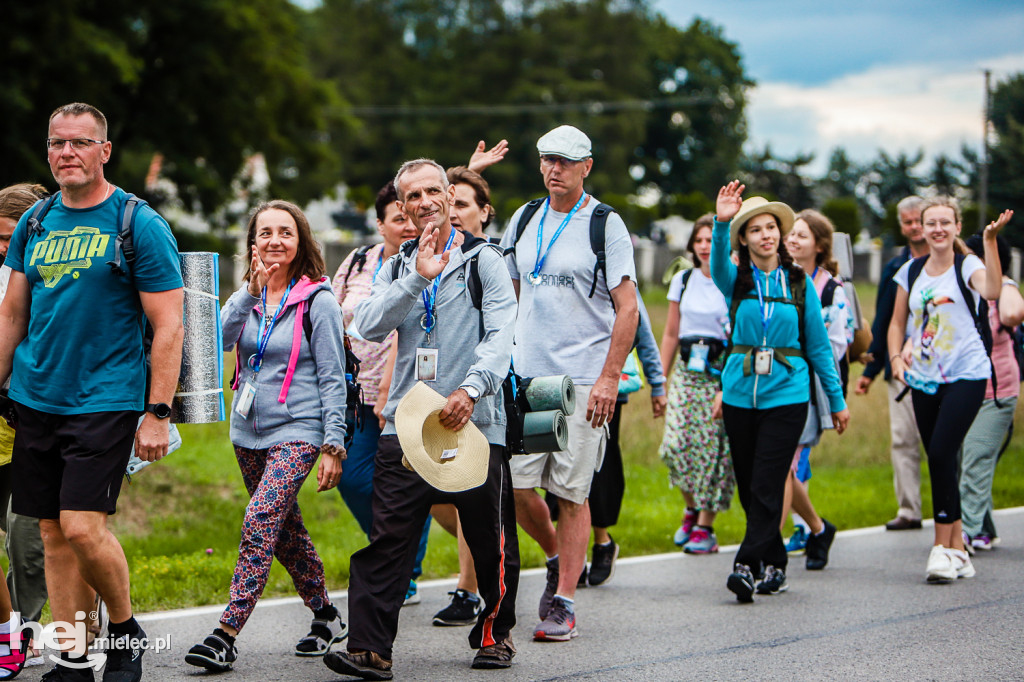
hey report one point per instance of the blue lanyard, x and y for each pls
(380, 262)
(767, 311)
(428, 300)
(263, 336)
(540, 233)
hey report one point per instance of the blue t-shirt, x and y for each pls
(83, 351)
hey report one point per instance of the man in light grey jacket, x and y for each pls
(424, 292)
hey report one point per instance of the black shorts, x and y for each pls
(70, 462)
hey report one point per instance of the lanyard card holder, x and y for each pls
(763, 358)
(698, 360)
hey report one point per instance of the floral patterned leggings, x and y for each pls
(273, 527)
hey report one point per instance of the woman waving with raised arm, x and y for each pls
(777, 333)
(944, 361)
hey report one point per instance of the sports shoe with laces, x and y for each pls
(967, 542)
(215, 653)
(495, 656)
(559, 625)
(602, 562)
(702, 541)
(683, 532)
(940, 566)
(741, 583)
(412, 595)
(323, 634)
(124, 658)
(550, 588)
(962, 563)
(62, 673)
(773, 581)
(464, 609)
(983, 542)
(367, 665)
(797, 541)
(818, 545)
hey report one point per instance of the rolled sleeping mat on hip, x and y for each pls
(199, 398)
(551, 393)
(546, 431)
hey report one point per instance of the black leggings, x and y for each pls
(943, 420)
(762, 443)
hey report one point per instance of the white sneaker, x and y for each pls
(962, 563)
(940, 566)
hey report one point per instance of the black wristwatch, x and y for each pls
(161, 410)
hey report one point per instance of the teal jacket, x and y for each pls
(784, 386)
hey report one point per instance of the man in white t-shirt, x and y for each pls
(575, 319)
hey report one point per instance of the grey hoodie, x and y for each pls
(474, 347)
(300, 392)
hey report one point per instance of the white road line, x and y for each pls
(451, 582)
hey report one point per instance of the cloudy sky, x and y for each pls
(899, 75)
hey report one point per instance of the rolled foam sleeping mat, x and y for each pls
(551, 393)
(546, 431)
(199, 398)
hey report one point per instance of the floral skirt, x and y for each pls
(694, 446)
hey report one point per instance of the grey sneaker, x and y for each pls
(560, 624)
(773, 581)
(549, 589)
(464, 609)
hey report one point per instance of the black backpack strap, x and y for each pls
(359, 259)
(404, 252)
(124, 244)
(35, 221)
(524, 219)
(307, 322)
(598, 221)
(979, 314)
(914, 271)
(828, 292)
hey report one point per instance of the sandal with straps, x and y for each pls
(323, 634)
(12, 660)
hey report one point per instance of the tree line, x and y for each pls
(346, 90)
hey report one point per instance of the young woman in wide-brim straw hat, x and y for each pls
(944, 361)
(765, 381)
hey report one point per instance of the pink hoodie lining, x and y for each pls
(299, 296)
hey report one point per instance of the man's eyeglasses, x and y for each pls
(55, 144)
(550, 160)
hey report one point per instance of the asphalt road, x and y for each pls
(870, 615)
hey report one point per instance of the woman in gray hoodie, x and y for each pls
(288, 411)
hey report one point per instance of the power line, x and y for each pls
(593, 108)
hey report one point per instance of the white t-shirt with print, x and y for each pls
(559, 329)
(703, 311)
(946, 344)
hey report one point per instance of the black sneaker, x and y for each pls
(62, 673)
(773, 581)
(323, 634)
(602, 562)
(741, 583)
(549, 589)
(818, 546)
(124, 658)
(215, 653)
(463, 610)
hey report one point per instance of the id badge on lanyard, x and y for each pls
(698, 360)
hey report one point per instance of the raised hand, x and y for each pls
(259, 274)
(426, 264)
(730, 198)
(482, 160)
(993, 228)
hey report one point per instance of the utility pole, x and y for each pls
(983, 175)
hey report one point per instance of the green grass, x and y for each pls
(179, 520)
